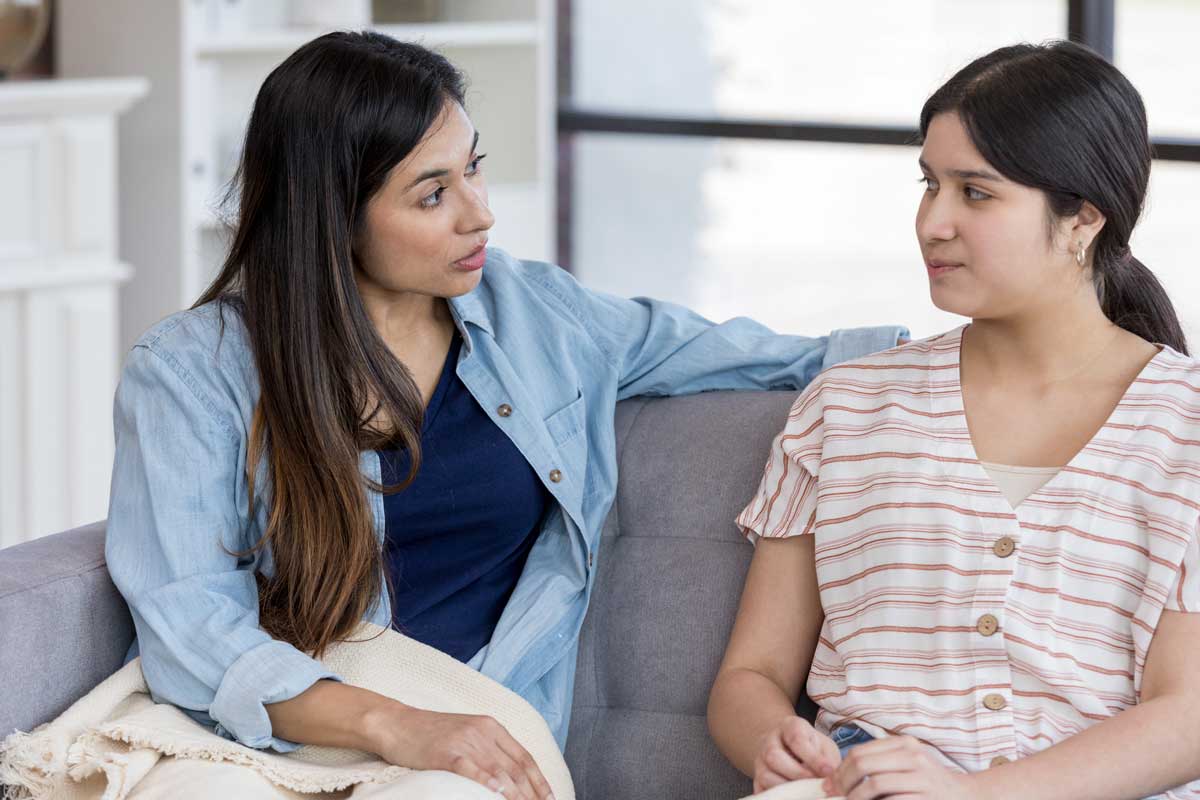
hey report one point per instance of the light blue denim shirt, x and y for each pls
(559, 355)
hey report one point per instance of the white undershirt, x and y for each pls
(1017, 483)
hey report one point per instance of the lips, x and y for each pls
(937, 267)
(474, 260)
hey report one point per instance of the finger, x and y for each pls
(805, 744)
(502, 783)
(504, 769)
(467, 768)
(525, 762)
(781, 761)
(521, 788)
(859, 765)
(892, 786)
(830, 757)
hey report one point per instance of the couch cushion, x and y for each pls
(671, 570)
(63, 625)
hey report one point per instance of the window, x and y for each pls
(719, 167)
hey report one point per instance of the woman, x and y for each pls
(984, 543)
(369, 415)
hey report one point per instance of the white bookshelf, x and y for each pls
(59, 280)
(206, 59)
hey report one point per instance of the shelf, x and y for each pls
(434, 34)
(63, 275)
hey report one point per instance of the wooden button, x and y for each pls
(994, 702)
(1004, 546)
(504, 410)
(987, 625)
(555, 476)
(999, 761)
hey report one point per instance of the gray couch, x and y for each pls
(671, 570)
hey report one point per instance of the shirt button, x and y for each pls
(999, 761)
(994, 702)
(555, 476)
(1004, 546)
(591, 558)
(987, 625)
(505, 410)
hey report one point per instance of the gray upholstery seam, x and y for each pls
(616, 508)
(57, 579)
(587, 762)
(655, 536)
(642, 711)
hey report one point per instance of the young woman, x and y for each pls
(369, 415)
(980, 548)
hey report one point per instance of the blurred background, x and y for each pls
(742, 157)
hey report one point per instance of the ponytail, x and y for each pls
(1133, 299)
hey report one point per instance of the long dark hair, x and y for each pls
(328, 125)
(1060, 118)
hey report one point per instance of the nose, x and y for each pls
(477, 216)
(935, 218)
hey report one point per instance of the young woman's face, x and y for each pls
(425, 229)
(984, 238)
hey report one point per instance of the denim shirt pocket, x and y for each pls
(568, 422)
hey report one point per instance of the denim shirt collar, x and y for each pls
(468, 309)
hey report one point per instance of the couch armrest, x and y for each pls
(63, 625)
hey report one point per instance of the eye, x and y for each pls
(433, 200)
(974, 194)
(930, 183)
(473, 167)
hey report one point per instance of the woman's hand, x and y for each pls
(476, 747)
(896, 767)
(792, 751)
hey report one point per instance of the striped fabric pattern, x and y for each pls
(989, 633)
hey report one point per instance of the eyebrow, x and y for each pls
(439, 173)
(965, 174)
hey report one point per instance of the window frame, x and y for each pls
(1089, 22)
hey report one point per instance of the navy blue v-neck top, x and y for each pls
(458, 536)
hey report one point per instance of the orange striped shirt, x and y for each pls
(949, 616)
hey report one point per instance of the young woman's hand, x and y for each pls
(898, 766)
(793, 751)
(476, 747)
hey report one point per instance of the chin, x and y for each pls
(952, 305)
(463, 283)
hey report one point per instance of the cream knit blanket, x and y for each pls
(795, 790)
(110, 740)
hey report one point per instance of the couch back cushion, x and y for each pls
(63, 625)
(671, 566)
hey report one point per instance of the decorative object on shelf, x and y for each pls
(23, 27)
(331, 13)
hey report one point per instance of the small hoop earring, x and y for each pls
(1080, 254)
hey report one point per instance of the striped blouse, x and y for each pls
(987, 632)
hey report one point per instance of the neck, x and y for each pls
(1040, 346)
(407, 322)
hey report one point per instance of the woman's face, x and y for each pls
(984, 238)
(425, 229)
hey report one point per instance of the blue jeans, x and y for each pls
(849, 735)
